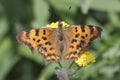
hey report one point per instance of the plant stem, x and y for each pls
(62, 74)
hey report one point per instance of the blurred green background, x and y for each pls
(18, 63)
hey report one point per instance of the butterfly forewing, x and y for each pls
(52, 42)
(44, 40)
(78, 39)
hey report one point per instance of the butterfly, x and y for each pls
(64, 42)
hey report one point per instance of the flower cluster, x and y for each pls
(85, 59)
(55, 24)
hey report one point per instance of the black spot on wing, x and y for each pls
(83, 28)
(34, 39)
(82, 37)
(39, 45)
(48, 43)
(53, 59)
(44, 38)
(76, 29)
(77, 35)
(78, 46)
(75, 52)
(44, 48)
(38, 40)
(48, 55)
(91, 29)
(51, 48)
(86, 35)
(73, 40)
(82, 43)
(44, 32)
(37, 32)
(71, 46)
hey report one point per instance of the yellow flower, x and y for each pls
(55, 24)
(85, 58)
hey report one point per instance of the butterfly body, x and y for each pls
(65, 41)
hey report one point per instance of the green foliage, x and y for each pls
(18, 63)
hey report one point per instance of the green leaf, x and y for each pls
(106, 5)
(85, 5)
(47, 72)
(113, 51)
(3, 23)
(7, 59)
(64, 8)
(114, 19)
(26, 52)
(41, 13)
(109, 71)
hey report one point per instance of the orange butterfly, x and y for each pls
(66, 42)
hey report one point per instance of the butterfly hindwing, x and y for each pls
(78, 39)
(44, 40)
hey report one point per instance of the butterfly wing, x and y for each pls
(44, 40)
(78, 39)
